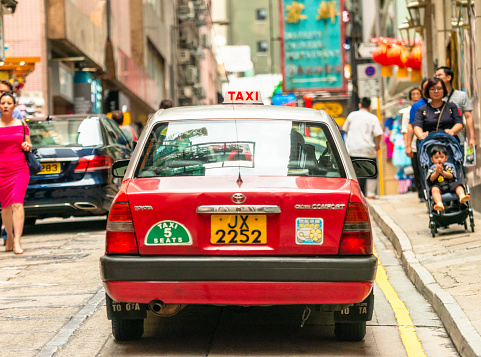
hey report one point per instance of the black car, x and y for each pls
(76, 153)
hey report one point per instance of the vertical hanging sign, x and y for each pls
(312, 55)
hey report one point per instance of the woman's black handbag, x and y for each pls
(33, 165)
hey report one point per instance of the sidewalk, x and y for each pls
(445, 269)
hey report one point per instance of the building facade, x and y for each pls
(195, 67)
(97, 56)
(256, 23)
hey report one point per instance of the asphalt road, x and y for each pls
(52, 304)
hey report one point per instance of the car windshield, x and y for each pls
(65, 132)
(248, 147)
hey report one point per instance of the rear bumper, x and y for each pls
(238, 280)
(238, 292)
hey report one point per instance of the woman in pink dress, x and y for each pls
(14, 174)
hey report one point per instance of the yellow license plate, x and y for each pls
(238, 229)
(50, 168)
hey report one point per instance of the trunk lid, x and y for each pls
(197, 215)
(59, 164)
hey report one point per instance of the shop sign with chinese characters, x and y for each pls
(312, 54)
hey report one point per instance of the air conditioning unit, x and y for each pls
(187, 36)
(198, 3)
(186, 92)
(191, 74)
(185, 10)
(205, 40)
(200, 7)
(200, 91)
(199, 53)
(183, 56)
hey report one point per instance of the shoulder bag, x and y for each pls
(437, 126)
(33, 165)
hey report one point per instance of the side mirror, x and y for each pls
(365, 168)
(119, 167)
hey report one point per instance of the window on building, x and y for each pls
(261, 15)
(262, 46)
(156, 67)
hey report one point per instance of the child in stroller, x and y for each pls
(442, 177)
(454, 211)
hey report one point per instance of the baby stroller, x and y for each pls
(455, 211)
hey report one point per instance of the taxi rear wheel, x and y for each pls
(352, 331)
(127, 330)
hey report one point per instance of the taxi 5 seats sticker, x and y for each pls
(310, 231)
(168, 233)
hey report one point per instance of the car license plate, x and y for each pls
(238, 229)
(50, 168)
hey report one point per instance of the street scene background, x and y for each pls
(65, 57)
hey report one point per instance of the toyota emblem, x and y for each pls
(238, 198)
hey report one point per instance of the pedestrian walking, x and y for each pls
(461, 100)
(6, 86)
(14, 173)
(415, 95)
(166, 104)
(437, 115)
(364, 133)
(129, 132)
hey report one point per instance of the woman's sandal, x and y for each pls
(17, 251)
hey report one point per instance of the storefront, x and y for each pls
(15, 70)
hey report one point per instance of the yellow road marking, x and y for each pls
(406, 327)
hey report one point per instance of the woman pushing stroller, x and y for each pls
(442, 178)
(437, 115)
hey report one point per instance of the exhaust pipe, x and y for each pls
(161, 309)
(85, 205)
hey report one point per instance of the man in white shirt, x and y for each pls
(364, 133)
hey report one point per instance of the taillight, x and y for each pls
(356, 235)
(93, 163)
(120, 237)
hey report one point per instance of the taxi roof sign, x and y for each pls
(242, 97)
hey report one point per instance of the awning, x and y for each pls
(20, 66)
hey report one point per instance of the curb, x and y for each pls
(463, 334)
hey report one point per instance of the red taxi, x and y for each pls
(239, 204)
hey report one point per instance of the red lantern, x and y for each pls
(414, 58)
(396, 56)
(379, 54)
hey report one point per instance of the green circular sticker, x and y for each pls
(168, 233)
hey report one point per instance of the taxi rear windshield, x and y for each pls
(249, 147)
